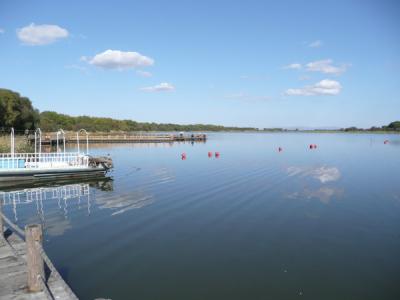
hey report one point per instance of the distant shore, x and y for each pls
(335, 131)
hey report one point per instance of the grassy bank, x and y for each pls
(21, 144)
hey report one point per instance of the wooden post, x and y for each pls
(33, 234)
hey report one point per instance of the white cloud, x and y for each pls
(2, 30)
(294, 66)
(323, 88)
(315, 44)
(36, 35)
(115, 59)
(325, 66)
(144, 73)
(162, 87)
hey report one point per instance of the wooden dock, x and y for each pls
(51, 138)
(26, 272)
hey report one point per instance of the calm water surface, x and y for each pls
(251, 224)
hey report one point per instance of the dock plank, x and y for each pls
(51, 138)
(13, 274)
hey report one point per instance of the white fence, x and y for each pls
(10, 161)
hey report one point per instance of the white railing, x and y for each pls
(11, 161)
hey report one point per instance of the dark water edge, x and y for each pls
(254, 223)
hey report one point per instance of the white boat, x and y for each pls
(59, 164)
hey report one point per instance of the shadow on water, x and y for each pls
(101, 183)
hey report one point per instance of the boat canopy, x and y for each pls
(49, 160)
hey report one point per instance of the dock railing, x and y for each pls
(118, 137)
(43, 160)
(36, 258)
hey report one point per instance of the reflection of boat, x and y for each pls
(61, 194)
(39, 166)
(103, 183)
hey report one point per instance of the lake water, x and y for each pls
(253, 223)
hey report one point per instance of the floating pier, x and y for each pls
(26, 272)
(92, 138)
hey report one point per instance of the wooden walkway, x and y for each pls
(51, 138)
(14, 270)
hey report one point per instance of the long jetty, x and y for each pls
(51, 138)
(26, 272)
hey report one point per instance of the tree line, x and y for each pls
(394, 126)
(18, 112)
(52, 121)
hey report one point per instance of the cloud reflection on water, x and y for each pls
(324, 174)
(323, 194)
(123, 203)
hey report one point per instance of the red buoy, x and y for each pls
(210, 154)
(311, 146)
(183, 156)
(216, 154)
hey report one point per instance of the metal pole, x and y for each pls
(35, 145)
(57, 139)
(63, 133)
(40, 140)
(87, 143)
(12, 147)
(87, 139)
(12, 142)
(77, 140)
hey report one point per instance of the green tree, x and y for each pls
(394, 125)
(17, 111)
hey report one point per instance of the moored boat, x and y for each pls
(59, 164)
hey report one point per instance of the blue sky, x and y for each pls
(243, 63)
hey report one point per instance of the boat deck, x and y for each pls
(32, 166)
